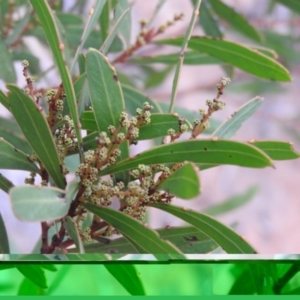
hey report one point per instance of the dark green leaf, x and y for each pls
(82, 93)
(277, 150)
(34, 273)
(81, 63)
(236, 20)
(4, 100)
(5, 184)
(227, 129)
(47, 21)
(4, 245)
(74, 234)
(183, 183)
(144, 239)
(232, 203)
(208, 21)
(197, 151)
(39, 204)
(7, 70)
(13, 159)
(36, 130)
(128, 277)
(27, 288)
(230, 241)
(237, 55)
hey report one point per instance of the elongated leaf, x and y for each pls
(12, 133)
(144, 239)
(125, 28)
(5, 184)
(47, 21)
(112, 34)
(197, 151)
(277, 150)
(128, 277)
(187, 239)
(13, 159)
(236, 20)
(232, 203)
(183, 183)
(230, 241)
(4, 100)
(104, 20)
(237, 55)
(81, 63)
(106, 96)
(27, 288)
(7, 70)
(74, 234)
(94, 15)
(190, 58)
(34, 273)
(35, 128)
(82, 93)
(134, 99)
(294, 5)
(4, 245)
(227, 129)
(67, 19)
(39, 204)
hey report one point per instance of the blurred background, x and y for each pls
(269, 220)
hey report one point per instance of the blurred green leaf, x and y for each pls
(4, 100)
(7, 70)
(294, 5)
(27, 288)
(236, 20)
(34, 63)
(81, 63)
(4, 245)
(39, 204)
(156, 78)
(13, 159)
(125, 28)
(128, 277)
(104, 20)
(5, 184)
(68, 19)
(237, 55)
(277, 150)
(183, 183)
(34, 273)
(231, 242)
(36, 130)
(81, 92)
(144, 239)
(232, 203)
(74, 233)
(197, 151)
(47, 21)
(227, 129)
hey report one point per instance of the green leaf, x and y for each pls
(39, 204)
(183, 183)
(106, 96)
(190, 58)
(125, 29)
(7, 70)
(154, 77)
(74, 234)
(4, 245)
(190, 116)
(208, 21)
(144, 239)
(113, 32)
(27, 287)
(236, 20)
(67, 19)
(231, 242)
(187, 239)
(104, 20)
(227, 129)
(34, 273)
(13, 159)
(232, 203)
(82, 93)
(36, 130)
(4, 100)
(294, 5)
(5, 184)
(11, 132)
(128, 277)
(47, 21)
(94, 15)
(135, 99)
(81, 64)
(237, 55)
(197, 151)
(277, 150)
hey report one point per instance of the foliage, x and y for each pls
(45, 135)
